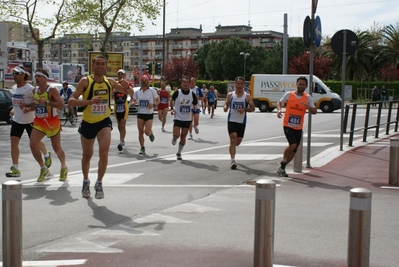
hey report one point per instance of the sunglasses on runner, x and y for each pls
(16, 73)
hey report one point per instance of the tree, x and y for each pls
(200, 60)
(27, 12)
(177, 67)
(274, 62)
(300, 65)
(389, 73)
(114, 15)
(223, 60)
(358, 65)
(390, 51)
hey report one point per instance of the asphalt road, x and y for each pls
(158, 211)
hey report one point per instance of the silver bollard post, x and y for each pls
(264, 223)
(359, 228)
(298, 157)
(393, 162)
(12, 223)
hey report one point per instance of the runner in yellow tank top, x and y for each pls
(47, 100)
(96, 91)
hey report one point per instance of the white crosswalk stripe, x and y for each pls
(283, 144)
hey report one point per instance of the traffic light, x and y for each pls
(157, 68)
(153, 68)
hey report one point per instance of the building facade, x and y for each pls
(137, 50)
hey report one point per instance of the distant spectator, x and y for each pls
(374, 97)
(384, 96)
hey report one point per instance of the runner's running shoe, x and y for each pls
(63, 174)
(121, 145)
(86, 189)
(152, 137)
(14, 172)
(233, 165)
(281, 171)
(99, 191)
(42, 176)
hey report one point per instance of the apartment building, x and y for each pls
(137, 50)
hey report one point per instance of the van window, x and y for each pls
(318, 89)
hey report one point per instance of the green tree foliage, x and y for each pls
(220, 61)
(29, 12)
(358, 65)
(390, 50)
(200, 60)
(113, 15)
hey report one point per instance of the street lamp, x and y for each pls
(189, 54)
(245, 59)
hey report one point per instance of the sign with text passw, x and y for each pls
(114, 63)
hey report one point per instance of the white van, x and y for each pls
(267, 89)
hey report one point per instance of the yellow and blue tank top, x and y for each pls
(43, 111)
(97, 112)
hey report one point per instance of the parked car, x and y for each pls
(5, 105)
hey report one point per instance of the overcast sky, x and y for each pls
(335, 15)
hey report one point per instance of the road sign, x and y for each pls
(307, 34)
(317, 31)
(337, 42)
(314, 5)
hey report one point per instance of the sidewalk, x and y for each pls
(311, 221)
(365, 165)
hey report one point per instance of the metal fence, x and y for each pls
(351, 110)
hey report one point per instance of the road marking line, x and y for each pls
(284, 144)
(80, 245)
(390, 187)
(53, 263)
(153, 218)
(76, 180)
(227, 157)
(190, 208)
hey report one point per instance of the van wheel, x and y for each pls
(326, 107)
(263, 106)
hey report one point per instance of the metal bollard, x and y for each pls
(264, 223)
(393, 162)
(298, 157)
(12, 223)
(359, 228)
